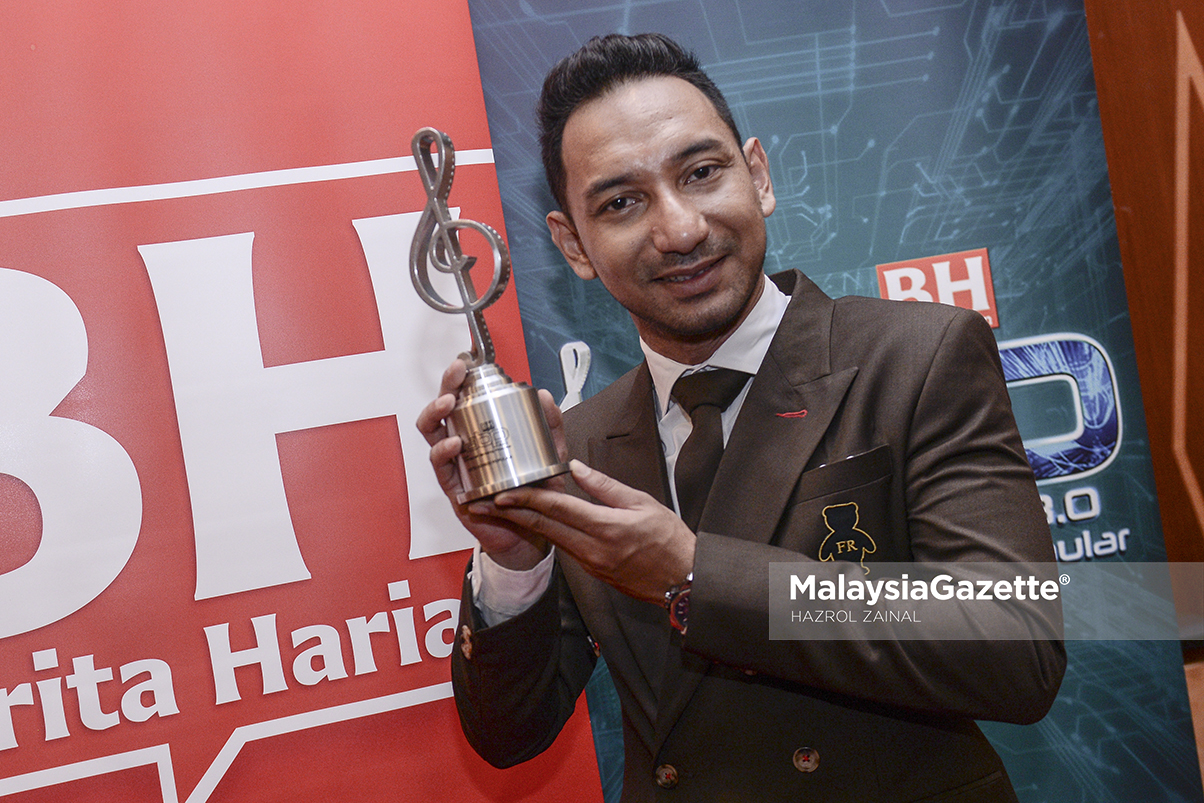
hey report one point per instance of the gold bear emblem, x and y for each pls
(844, 540)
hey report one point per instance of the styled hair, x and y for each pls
(602, 64)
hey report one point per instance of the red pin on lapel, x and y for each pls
(795, 414)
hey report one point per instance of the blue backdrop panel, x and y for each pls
(897, 130)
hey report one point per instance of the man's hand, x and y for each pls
(630, 540)
(508, 543)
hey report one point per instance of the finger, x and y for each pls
(483, 510)
(535, 521)
(453, 377)
(443, 455)
(430, 420)
(606, 490)
(544, 510)
(550, 410)
(555, 421)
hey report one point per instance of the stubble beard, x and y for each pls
(690, 325)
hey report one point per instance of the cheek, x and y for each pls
(614, 253)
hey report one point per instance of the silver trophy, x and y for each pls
(506, 439)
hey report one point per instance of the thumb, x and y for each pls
(606, 490)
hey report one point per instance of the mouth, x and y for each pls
(688, 274)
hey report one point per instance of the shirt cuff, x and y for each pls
(500, 593)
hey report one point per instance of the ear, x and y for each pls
(564, 234)
(758, 166)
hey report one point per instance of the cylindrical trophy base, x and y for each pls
(506, 441)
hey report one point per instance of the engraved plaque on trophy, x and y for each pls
(506, 440)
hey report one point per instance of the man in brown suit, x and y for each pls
(897, 412)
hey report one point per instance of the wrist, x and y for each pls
(677, 601)
(522, 556)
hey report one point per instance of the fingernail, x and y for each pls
(579, 469)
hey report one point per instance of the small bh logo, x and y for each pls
(962, 280)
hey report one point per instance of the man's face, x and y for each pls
(667, 209)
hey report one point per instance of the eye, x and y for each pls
(701, 173)
(618, 204)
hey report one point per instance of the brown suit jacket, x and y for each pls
(907, 416)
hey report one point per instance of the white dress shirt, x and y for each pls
(501, 593)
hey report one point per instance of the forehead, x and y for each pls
(637, 125)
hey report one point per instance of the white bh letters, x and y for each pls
(913, 290)
(975, 283)
(84, 481)
(230, 407)
(908, 284)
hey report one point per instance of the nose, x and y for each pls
(679, 226)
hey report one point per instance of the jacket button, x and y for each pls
(666, 776)
(806, 759)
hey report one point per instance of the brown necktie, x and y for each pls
(704, 396)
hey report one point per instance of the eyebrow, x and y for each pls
(604, 185)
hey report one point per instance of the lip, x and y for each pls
(692, 279)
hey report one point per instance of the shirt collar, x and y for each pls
(742, 351)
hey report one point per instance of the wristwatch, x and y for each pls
(677, 600)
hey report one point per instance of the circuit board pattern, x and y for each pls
(898, 129)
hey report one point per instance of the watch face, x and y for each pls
(679, 611)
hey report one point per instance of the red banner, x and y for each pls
(225, 570)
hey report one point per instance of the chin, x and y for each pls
(706, 324)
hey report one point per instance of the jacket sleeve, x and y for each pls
(969, 496)
(517, 683)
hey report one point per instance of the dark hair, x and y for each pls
(601, 64)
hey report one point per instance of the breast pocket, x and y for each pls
(841, 511)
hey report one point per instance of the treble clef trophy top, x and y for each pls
(505, 439)
(437, 244)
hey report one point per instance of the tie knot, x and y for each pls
(718, 388)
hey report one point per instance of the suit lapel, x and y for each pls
(792, 402)
(630, 448)
(789, 407)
